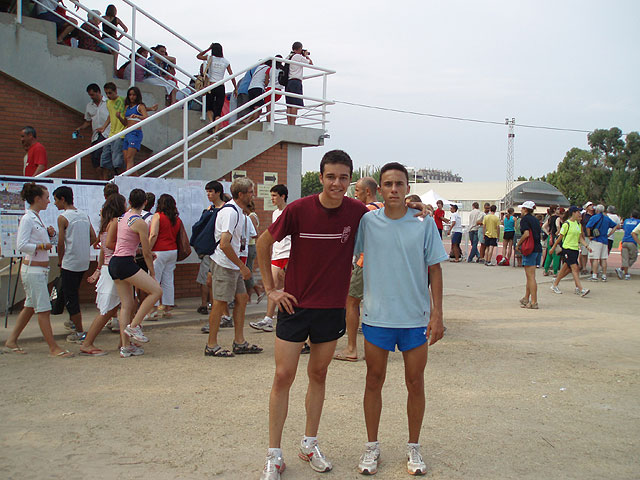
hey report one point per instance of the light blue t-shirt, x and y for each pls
(396, 256)
(628, 226)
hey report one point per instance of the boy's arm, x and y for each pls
(435, 330)
(280, 297)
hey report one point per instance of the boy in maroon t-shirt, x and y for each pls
(312, 305)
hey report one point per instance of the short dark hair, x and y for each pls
(150, 200)
(453, 205)
(216, 50)
(486, 204)
(214, 185)
(65, 193)
(296, 46)
(475, 205)
(110, 86)
(493, 208)
(28, 130)
(281, 190)
(635, 214)
(137, 198)
(336, 157)
(510, 210)
(30, 191)
(109, 189)
(93, 87)
(394, 166)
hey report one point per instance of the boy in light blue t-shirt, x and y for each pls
(402, 254)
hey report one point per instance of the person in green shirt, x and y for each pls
(570, 237)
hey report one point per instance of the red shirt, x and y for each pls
(167, 234)
(36, 155)
(322, 243)
(438, 215)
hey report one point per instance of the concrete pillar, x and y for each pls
(294, 171)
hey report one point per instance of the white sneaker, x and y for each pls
(627, 277)
(76, 337)
(369, 460)
(555, 289)
(584, 292)
(131, 351)
(136, 333)
(578, 291)
(619, 273)
(604, 278)
(415, 463)
(114, 324)
(315, 457)
(594, 278)
(273, 467)
(266, 324)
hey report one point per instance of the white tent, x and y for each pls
(431, 197)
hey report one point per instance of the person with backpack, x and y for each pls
(551, 227)
(292, 80)
(214, 191)
(597, 229)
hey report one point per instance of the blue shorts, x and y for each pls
(388, 338)
(132, 140)
(530, 260)
(456, 238)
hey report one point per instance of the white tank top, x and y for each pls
(76, 241)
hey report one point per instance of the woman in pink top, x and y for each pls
(107, 298)
(131, 231)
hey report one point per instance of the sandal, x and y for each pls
(531, 306)
(17, 350)
(242, 348)
(217, 351)
(63, 354)
(94, 352)
(524, 301)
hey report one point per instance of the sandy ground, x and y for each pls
(512, 394)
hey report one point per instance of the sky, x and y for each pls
(569, 64)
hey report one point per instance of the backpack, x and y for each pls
(203, 231)
(283, 74)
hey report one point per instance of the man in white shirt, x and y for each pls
(229, 272)
(455, 224)
(96, 115)
(475, 220)
(611, 213)
(75, 237)
(294, 85)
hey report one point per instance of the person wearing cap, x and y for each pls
(587, 213)
(530, 226)
(597, 229)
(570, 237)
(611, 213)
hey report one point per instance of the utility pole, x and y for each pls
(508, 199)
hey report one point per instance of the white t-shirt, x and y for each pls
(282, 248)
(259, 75)
(250, 231)
(455, 217)
(217, 68)
(616, 219)
(77, 241)
(295, 71)
(229, 219)
(97, 115)
(47, 6)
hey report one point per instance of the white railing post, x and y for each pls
(78, 168)
(324, 103)
(185, 135)
(132, 82)
(19, 11)
(204, 108)
(272, 97)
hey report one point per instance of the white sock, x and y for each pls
(372, 445)
(409, 445)
(276, 452)
(308, 441)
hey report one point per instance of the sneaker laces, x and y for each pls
(414, 455)
(315, 450)
(271, 465)
(370, 455)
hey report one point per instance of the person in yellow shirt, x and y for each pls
(491, 224)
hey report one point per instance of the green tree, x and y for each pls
(311, 183)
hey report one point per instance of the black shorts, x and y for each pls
(121, 268)
(70, 286)
(255, 93)
(215, 101)
(319, 325)
(490, 242)
(139, 259)
(570, 256)
(294, 86)
(440, 232)
(508, 235)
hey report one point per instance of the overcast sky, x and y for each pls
(571, 64)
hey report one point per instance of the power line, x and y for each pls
(461, 119)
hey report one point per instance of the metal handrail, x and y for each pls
(186, 137)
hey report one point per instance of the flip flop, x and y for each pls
(63, 354)
(344, 358)
(17, 350)
(94, 352)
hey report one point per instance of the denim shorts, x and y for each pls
(387, 338)
(112, 156)
(530, 260)
(132, 140)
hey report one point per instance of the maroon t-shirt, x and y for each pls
(322, 241)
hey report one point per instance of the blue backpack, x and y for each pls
(203, 231)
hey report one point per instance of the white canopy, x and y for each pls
(431, 197)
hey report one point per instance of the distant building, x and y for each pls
(432, 175)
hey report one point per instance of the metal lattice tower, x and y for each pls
(508, 199)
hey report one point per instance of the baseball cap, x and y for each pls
(573, 208)
(528, 204)
(587, 205)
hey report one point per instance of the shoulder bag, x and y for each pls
(202, 80)
(184, 249)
